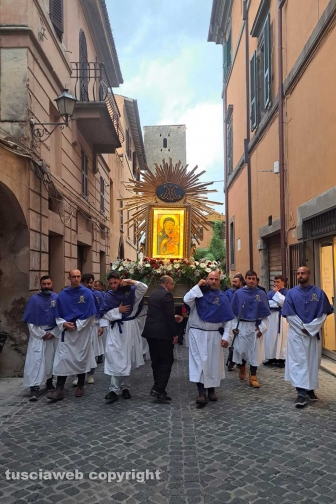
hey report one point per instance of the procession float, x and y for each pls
(169, 209)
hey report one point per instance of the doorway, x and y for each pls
(327, 279)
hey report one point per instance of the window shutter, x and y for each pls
(253, 90)
(229, 43)
(267, 62)
(56, 15)
(227, 55)
(225, 59)
(230, 147)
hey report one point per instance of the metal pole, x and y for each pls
(281, 147)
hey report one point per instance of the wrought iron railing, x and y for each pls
(92, 85)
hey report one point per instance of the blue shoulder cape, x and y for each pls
(113, 299)
(214, 307)
(255, 304)
(40, 310)
(76, 304)
(308, 303)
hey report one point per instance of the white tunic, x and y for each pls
(97, 341)
(40, 356)
(246, 344)
(275, 341)
(141, 319)
(206, 356)
(75, 354)
(303, 352)
(123, 351)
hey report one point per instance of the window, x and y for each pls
(230, 146)
(165, 143)
(83, 68)
(260, 67)
(253, 91)
(84, 169)
(56, 16)
(102, 195)
(111, 202)
(232, 242)
(121, 204)
(128, 145)
(128, 225)
(227, 59)
(134, 165)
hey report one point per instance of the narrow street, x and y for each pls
(251, 446)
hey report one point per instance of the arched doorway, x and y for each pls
(14, 281)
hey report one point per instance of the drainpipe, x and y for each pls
(227, 230)
(247, 158)
(281, 145)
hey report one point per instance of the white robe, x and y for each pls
(303, 352)
(141, 319)
(246, 344)
(275, 341)
(40, 356)
(75, 354)
(123, 351)
(97, 341)
(206, 356)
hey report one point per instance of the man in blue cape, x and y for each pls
(250, 307)
(306, 307)
(237, 283)
(123, 349)
(209, 331)
(40, 317)
(96, 330)
(75, 313)
(275, 338)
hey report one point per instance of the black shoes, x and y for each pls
(300, 402)
(161, 397)
(126, 394)
(111, 397)
(312, 396)
(33, 394)
(100, 359)
(270, 362)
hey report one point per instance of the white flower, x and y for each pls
(202, 265)
(197, 263)
(131, 271)
(169, 267)
(121, 268)
(208, 270)
(192, 266)
(114, 267)
(176, 266)
(147, 265)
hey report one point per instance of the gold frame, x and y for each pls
(156, 212)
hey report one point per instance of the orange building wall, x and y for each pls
(237, 195)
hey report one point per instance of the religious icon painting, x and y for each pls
(168, 232)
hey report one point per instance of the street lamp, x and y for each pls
(65, 103)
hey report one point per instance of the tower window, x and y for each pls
(165, 143)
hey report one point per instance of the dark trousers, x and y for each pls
(162, 357)
(62, 379)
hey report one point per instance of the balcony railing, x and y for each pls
(92, 85)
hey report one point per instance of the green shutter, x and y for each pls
(230, 147)
(227, 55)
(253, 90)
(267, 62)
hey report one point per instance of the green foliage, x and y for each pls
(203, 253)
(217, 248)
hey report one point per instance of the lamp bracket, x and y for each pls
(41, 133)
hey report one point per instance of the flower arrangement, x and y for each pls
(183, 271)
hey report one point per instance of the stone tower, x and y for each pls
(163, 142)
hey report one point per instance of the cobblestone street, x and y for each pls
(250, 446)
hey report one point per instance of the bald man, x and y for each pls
(75, 313)
(306, 307)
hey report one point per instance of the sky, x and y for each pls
(174, 73)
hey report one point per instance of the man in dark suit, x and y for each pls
(160, 331)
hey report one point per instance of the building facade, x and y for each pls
(126, 164)
(54, 182)
(279, 126)
(164, 142)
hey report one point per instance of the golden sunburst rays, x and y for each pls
(144, 194)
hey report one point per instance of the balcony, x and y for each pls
(96, 112)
